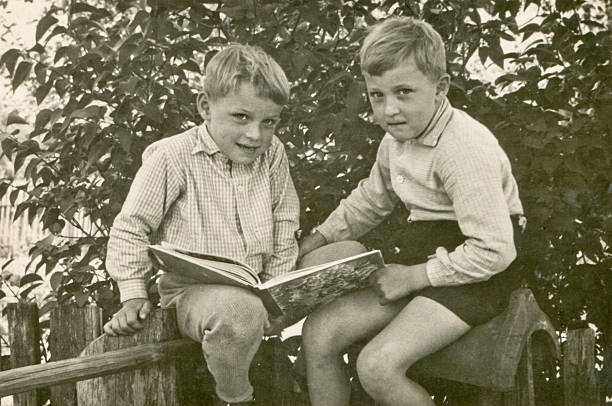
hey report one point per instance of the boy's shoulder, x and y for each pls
(464, 132)
(174, 145)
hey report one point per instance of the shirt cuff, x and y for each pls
(437, 271)
(326, 231)
(132, 289)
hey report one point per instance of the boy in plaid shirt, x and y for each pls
(222, 188)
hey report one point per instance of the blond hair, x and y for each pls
(390, 42)
(238, 64)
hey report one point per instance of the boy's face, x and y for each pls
(242, 124)
(404, 99)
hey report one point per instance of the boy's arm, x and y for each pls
(366, 206)
(285, 215)
(472, 177)
(154, 189)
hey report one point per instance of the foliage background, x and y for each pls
(124, 74)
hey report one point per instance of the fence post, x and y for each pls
(24, 336)
(579, 376)
(72, 328)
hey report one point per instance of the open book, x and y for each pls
(293, 295)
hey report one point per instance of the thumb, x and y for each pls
(144, 310)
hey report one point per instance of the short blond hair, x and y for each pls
(390, 42)
(238, 64)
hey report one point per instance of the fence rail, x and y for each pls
(579, 374)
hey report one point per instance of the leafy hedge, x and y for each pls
(125, 74)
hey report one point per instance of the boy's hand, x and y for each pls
(275, 326)
(129, 319)
(311, 242)
(396, 281)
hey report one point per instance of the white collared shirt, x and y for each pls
(456, 171)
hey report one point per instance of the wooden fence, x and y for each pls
(73, 328)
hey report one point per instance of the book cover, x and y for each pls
(293, 295)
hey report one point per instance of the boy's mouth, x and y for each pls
(248, 148)
(396, 123)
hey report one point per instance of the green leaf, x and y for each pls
(82, 298)
(44, 24)
(56, 280)
(29, 277)
(125, 139)
(15, 118)
(24, 294)
(3, 188)
(9, 59)
(483, 53)
(41, 72)
(22, 72)
(8, 145)
(42, 119)
(42, 91)
(13, 196)
(58, 29)
(21, 207)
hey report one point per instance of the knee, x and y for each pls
(319, 337)
(376, 368)
(332, 252)
(240, 318)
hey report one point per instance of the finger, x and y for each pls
(108, 329)
(122, 326)
(145, 310)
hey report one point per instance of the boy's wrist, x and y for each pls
(132, 289)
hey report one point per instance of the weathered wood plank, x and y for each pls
(155, 385)
(75, 369)
(579, 375)
(24, 336)
(524, 393)
(72, 328)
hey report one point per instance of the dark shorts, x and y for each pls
(474, 303)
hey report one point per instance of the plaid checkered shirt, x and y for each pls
(189, 194)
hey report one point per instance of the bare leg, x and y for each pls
(327, 333)
(421, 328)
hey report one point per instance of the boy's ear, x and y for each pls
(443, 85)
(203, 106)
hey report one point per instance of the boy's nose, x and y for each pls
(253, 132)
(391, 107)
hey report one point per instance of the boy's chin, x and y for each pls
(402, 136)
(244, 159)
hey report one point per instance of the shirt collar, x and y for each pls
(204, 141)
(431, 134)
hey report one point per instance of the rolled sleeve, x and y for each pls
(472, 179)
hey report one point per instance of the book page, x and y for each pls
(200, 267)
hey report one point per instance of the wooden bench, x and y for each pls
(499, 358)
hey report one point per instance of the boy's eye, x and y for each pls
(405, 91)
(269, 122)
(240, 116)
(375, 95)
